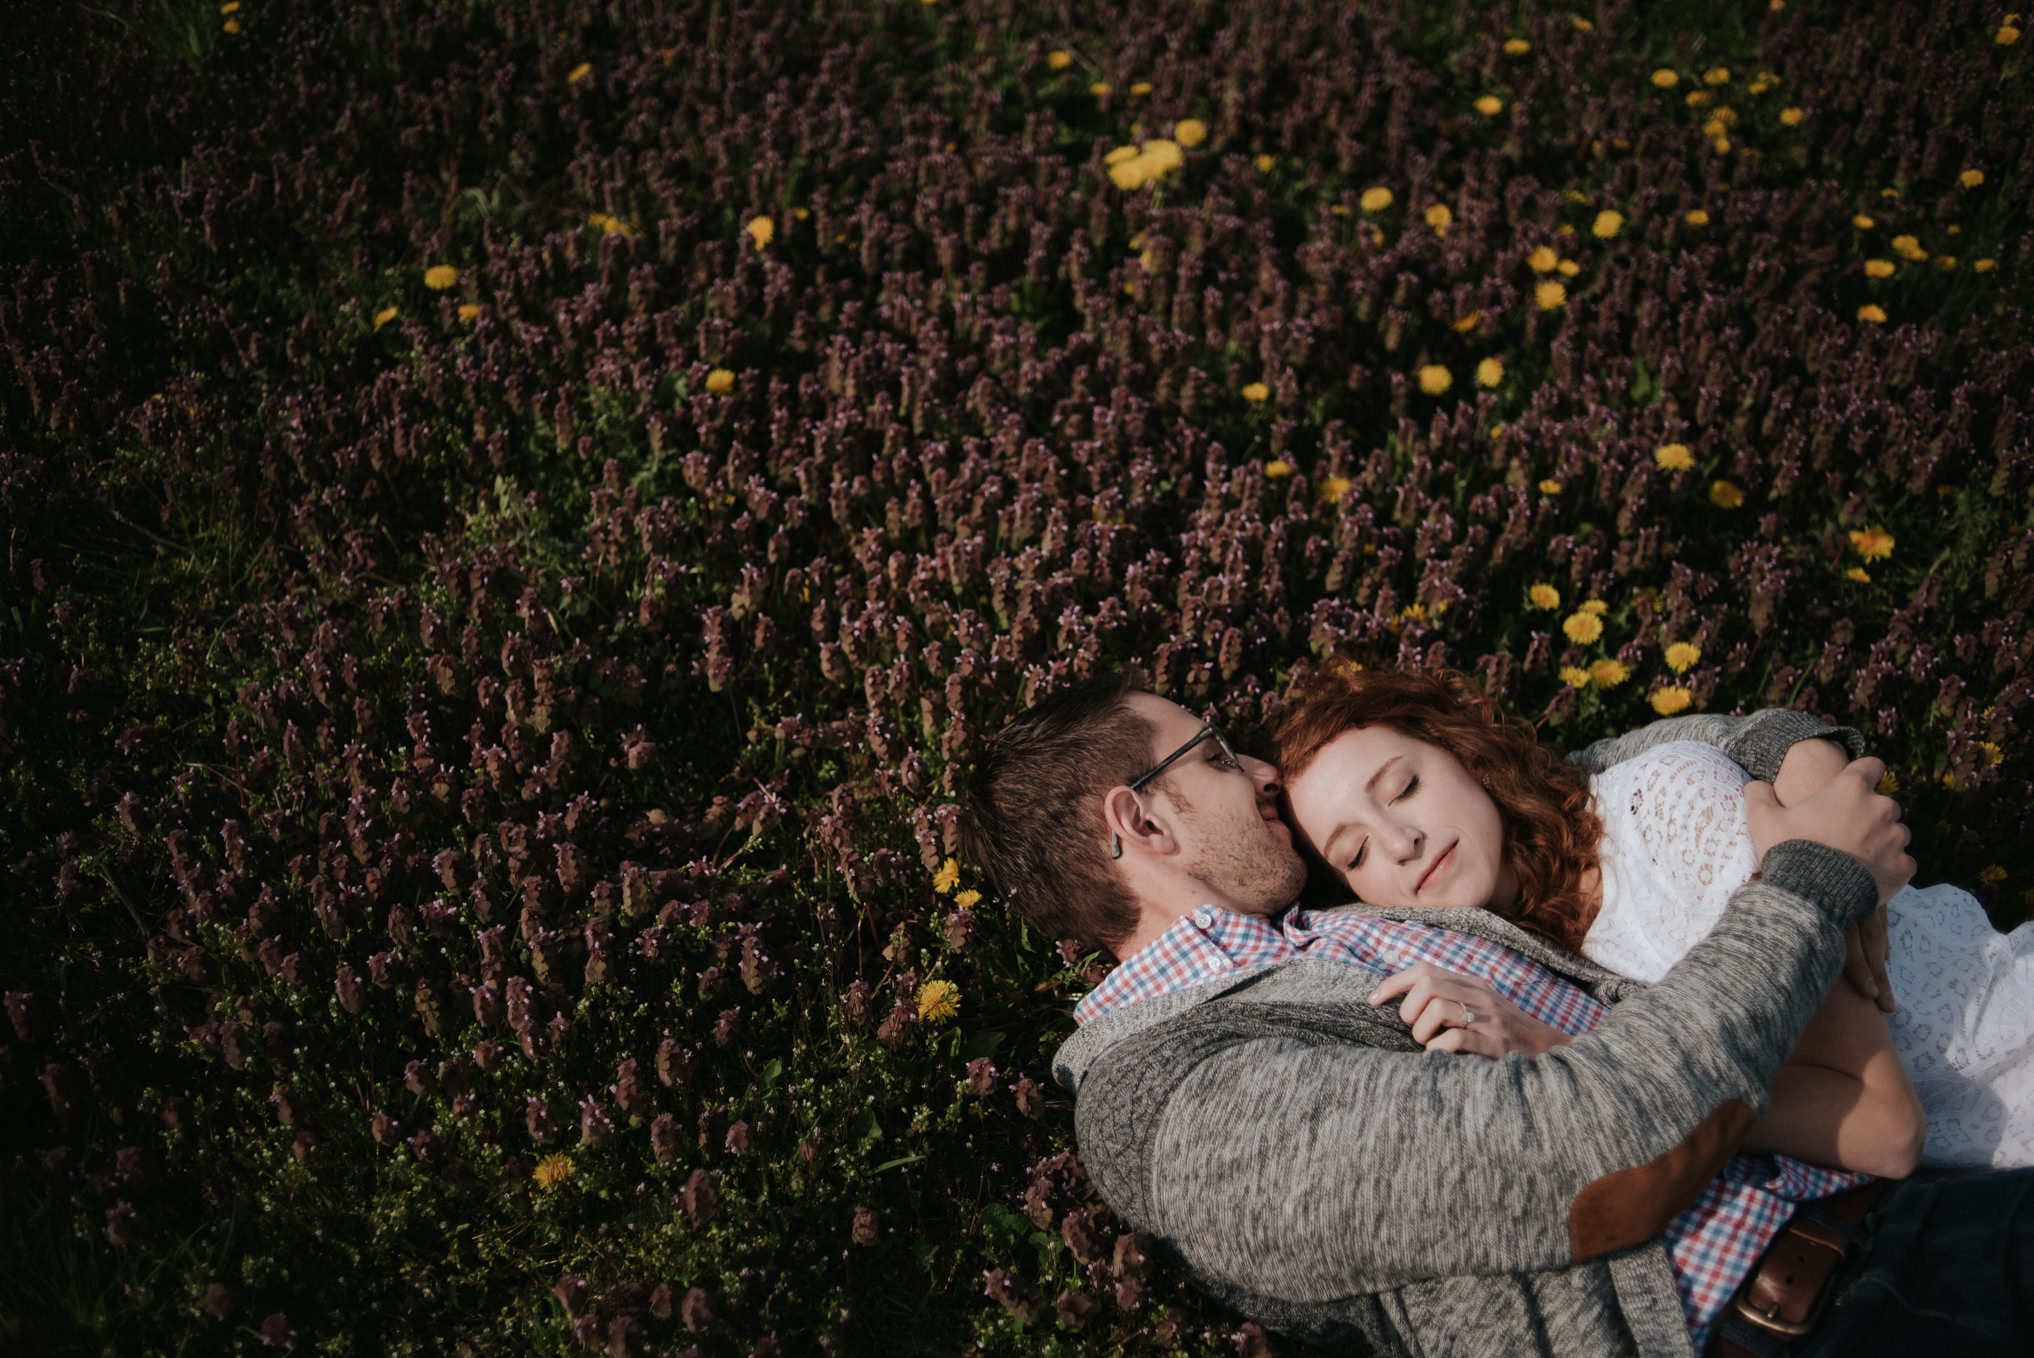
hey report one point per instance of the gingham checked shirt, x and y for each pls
(1711, 1246)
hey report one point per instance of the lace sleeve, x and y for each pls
(1676, 848)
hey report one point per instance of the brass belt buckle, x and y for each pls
(1787, 1329)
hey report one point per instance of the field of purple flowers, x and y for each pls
(516, 514)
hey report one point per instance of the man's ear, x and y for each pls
(1129, 826)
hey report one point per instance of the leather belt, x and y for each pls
(1790, 1286)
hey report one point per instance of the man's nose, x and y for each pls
(1263, 773)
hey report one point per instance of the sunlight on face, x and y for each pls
(1402, 822)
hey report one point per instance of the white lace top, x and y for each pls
(1675, 847)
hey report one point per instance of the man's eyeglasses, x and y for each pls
(1137, 784)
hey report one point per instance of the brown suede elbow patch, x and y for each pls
(1636, 1204)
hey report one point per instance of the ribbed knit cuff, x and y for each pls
(1762, 742)
(1836, 881)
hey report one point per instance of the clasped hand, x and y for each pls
(1437, 1001)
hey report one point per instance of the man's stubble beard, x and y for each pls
(1265, 875)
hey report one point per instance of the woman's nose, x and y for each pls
(1401, 841)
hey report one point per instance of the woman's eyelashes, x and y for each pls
(1411, 786)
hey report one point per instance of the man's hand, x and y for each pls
(1809, 767)
(1849, 814)
(1437, 1001)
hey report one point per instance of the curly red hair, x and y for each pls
(1551, 828)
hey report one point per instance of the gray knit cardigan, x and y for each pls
(1310, 1166)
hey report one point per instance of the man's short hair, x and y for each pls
(1031, 814)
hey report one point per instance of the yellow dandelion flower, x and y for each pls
(1759, 86)
(1435, 379)
(1164, 155)
(231, 26)
(1542, 259)
(1140, 89)
(1666, 78)
(1375, 199)
(720, 381)
(1609, 673)
(1568, 268)
(1792, 117)
(1544, 596)
(1945, 262)
(938, 1001)
(1582, 628)
(230, 7)
(1873, 313)
(1550, 487)
(1256, 391)
(468, 311)
(1984, 265)
(1991, 873)
(579, 73)
(968, 900)
(1993, 754)
(1464, 324)
(1862, 222)
(1132, 172)
(1190, 132)
(1889, 783)
(1683, 656)
(1696, 217)
(1879, 268)
(1334, 487)
(1574, 676)
(1595, 608)
(1517, 47)
(1674, 457)
(1101, 89)
(1859, 574)
(1278, 470)
(1058, 61)
(1581, 24)
(1970, 179)
(1490, 372)
(1489, 105)
(947, 878)
(1117, 156)
(761, 230)
(1438, 216)
(2006, 36)
(1607, 224)
(1697, 98)
(1668, 701)
(1890, 195)
(552, 1170)
(384, 316)
(1873, 544)
(1908, 247)
(440, 277)
(1725, 494)
(1550, 296)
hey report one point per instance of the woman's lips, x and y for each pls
(1439, 868)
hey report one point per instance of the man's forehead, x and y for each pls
(1170, 722)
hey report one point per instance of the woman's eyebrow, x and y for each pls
(1382, 769)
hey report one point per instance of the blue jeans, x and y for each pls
(1947, 1268)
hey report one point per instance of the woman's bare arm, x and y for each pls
(1843, 1099)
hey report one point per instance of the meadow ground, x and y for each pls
(516, 513)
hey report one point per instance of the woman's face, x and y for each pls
(1402, 822)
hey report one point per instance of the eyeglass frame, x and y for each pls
(1138, 784)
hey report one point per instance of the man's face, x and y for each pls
(1226, 818)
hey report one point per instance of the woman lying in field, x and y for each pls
(1413, 790)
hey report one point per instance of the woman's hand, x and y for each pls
(1437, 1002)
